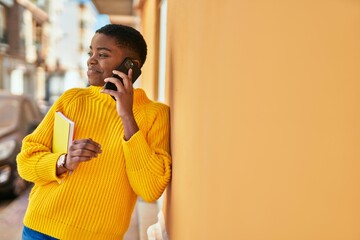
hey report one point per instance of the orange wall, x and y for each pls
(265, 109)
(150, 30)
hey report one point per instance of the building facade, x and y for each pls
(43, 46)
(69, 34)
(22, 40)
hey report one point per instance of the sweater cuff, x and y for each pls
(139, 155)
(46, 168)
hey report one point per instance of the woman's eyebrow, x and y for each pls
(102, 48)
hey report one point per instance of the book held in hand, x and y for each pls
(63, 133)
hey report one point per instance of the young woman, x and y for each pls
(120, 150)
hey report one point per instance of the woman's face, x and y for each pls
(104, 56)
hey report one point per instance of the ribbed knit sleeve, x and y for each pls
(36, 162)
(148, 162)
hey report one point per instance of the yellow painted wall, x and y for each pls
(150, 30)
(265, 110)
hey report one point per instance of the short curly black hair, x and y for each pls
(127, 37)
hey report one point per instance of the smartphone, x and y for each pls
(124, 67)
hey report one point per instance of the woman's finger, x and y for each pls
(86, 144)
(127, 81)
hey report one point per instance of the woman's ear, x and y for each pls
(137, 62)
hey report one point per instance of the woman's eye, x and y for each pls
(102, 55)
(99, 55)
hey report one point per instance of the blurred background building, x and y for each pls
(70, 28)
(22, 52)
(44, 45)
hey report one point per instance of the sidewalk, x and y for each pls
(11, 219)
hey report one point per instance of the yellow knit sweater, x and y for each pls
(96, 201)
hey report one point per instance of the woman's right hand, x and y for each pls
(81, 150)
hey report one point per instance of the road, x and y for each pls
(11, 216)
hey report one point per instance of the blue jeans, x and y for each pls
(29, 234)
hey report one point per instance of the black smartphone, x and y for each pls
(124, 67)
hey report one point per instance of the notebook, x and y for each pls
(63, 133)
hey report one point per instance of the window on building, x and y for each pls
(2, 24)
(17, 81)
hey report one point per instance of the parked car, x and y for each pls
(19, 116)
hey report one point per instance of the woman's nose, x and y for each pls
(91, 60)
